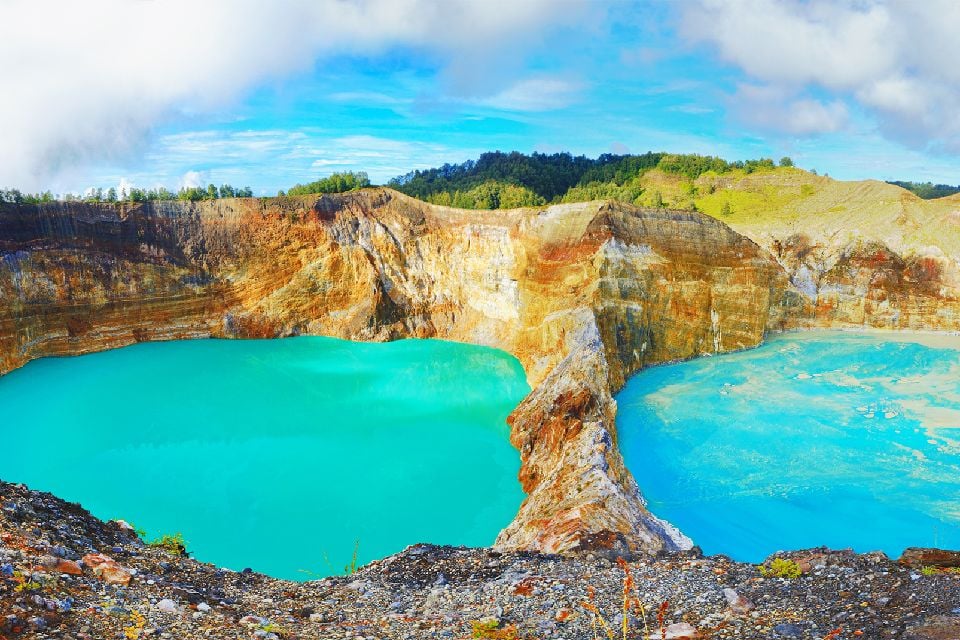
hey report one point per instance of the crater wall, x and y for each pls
(582, 294)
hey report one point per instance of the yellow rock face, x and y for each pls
(583, 294)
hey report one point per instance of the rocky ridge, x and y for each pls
(53, 585)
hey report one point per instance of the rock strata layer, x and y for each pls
(582, 294)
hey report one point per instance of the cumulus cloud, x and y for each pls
(896, 59)
(88, 81)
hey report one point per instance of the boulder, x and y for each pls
(917, 557)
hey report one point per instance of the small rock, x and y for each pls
(738, 603)
(678, 631)
(112, 573)
(94, 560)
(203, 607)
(69, 567)
(788, 630)
(167, 606)
(563, 614)
(123, 524)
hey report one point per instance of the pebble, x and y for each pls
(788, 630)
(167, 606)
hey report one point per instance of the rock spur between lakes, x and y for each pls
(53, 585)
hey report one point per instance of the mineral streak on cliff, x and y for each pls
(583, 294)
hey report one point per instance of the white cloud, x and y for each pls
(192, 179)
(772, 108)
(896, 59)
(541, 93)
(89, 81)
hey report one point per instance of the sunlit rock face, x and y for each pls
(583, 294)
(868, 255)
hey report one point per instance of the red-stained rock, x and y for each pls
(112, 573)
(69, 567)
(94, 560)
(918, 557)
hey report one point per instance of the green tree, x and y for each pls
(335, 183)
(786, 162)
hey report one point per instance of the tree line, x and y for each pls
(927, 190)
(135, 194)
(505, 180)
(338, 182)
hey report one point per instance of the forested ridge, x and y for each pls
(506, 180)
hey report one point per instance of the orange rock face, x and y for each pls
(69, 567)
(583, 295)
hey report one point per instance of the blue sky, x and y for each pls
(270, 99)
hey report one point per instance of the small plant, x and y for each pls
(490, 629)
(137, 624)
(25, 583)
(351, 567)
(939, 571)
(780, 568)
(171, 543)
(631, 603)
(662, 619)
(273, 627)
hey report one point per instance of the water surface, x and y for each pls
(275, 454)
(823, 438)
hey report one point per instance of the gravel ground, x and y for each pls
(64, 574)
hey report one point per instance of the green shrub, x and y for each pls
(172, 543)
(780, 568)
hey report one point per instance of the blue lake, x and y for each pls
(277, 455)
(821, 438)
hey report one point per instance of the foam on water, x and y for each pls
(821, 438)
(275, 454)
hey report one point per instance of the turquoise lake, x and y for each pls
(821, 438)
(278, 455)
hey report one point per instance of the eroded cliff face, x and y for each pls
(864, 254)
(584, 295)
